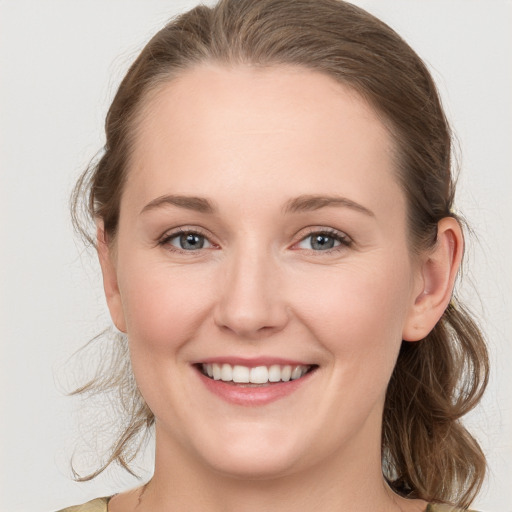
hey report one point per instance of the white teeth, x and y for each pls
(215, 370)
(296, 373)
(286, 373)
(259, 375)
(274, 373)
(256, 375)
(240, 373)
(226, 373)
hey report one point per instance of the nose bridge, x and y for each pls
(250, 301)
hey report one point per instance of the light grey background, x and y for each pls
(60, 63)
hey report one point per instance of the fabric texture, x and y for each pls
(100, 505)
(97, 505)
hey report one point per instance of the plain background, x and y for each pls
(60, 63)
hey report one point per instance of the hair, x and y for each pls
(427, 453)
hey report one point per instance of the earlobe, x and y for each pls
(436, 280)
(110, 284)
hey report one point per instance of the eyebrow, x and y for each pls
(307, 203)
(198, 204)
(304, 203)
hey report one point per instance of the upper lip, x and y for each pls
(253, 361)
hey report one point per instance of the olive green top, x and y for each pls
(97, 505)
(100, 505)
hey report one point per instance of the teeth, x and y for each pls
(286, 373)
(226, 373)
(241, 374)
(296, 373)
(259, 375)
(256, 375)
(215, 371)
(274, 373)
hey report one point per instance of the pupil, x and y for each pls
(322, 242)
(191, 241)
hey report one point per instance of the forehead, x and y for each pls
(284, 127)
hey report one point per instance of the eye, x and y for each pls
(323, 241)
(187, 241)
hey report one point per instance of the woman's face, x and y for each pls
(262, 235)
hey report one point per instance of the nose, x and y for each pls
(251, 301)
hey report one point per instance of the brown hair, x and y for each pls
(426, 451)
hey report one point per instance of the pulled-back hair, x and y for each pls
(426, 451)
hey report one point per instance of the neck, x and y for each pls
(349, 480)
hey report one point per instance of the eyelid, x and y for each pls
(311, 230)
(341, 236)
(344, 239)
(175, 232)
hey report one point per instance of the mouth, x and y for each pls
(255, 376)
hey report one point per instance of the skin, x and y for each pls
(250, 141)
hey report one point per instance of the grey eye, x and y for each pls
(189, 241)
(321, 241)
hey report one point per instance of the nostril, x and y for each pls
(244, 331)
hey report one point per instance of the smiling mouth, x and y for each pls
(254, 376)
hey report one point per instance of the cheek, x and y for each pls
(357, 315)
(357, 312)
(163, 306)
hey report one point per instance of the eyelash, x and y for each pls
(337, 236)
(166, 239)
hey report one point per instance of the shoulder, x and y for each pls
(97, 505)
(445, 508)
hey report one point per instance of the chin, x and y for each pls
(254, 457)
(261, 469)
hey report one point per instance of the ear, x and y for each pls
(435, 281)
(106, 255)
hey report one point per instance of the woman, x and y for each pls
(275, 228)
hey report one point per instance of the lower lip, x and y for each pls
(252, 396)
